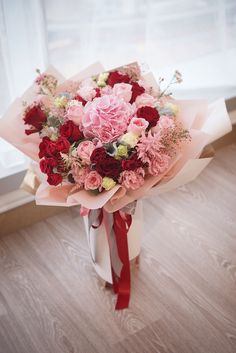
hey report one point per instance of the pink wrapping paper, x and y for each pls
(206, 122)
(183, 170)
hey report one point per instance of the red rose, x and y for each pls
(54, 179)
(47, 148)
(150, 114)
(35, 117)
(132, 163)
(136, 91)
(63, 145)
(109, 166)
(80, 99)
(47, 165)
(117, 77)
(98, 155)
(70, 131)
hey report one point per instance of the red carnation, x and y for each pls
(47, 148)
(109, 166)
(63, 145)
(150, 114)
(71, 131)
(98, 155)
(80, 99)
(98, 92)
(136, 91)
(54, 179)
(51, 149)
(42, 147)
(35, 117)
(132, 163)
(47, 165)
(117, 77)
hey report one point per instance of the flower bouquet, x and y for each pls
(105, 139)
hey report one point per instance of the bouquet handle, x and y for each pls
(114, 240)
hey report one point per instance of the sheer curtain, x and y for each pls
(23, 48)
(198, 37)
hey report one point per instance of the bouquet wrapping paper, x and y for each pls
(107, 211)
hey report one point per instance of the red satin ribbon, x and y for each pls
(121, 224)
(121, 285)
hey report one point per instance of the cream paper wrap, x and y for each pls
(206, 123)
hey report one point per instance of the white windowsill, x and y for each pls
(14, 199)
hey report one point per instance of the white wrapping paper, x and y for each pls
(99, 247)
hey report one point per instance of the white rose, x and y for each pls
(130, 139)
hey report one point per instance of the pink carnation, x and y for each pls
(145, 100)
(87, 93)
(132, 179)
(87, 89)
(106, 118)
(137, 125)
(79, 174)
(75, 113)
(149, 146)
(92, 181)
(123, 90)
(84, 151)
(159, 164)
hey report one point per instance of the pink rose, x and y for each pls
(132, 179)
(165, 122)
(84, 151)
(123, 90)
(145, 100)
(75, 113)
(149, 146)
(159, 164)
(92, 181)
(106, 118)
(137, 125)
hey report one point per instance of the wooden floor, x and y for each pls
(183, 296)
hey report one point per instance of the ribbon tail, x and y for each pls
(117, 227)
(121, 285)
